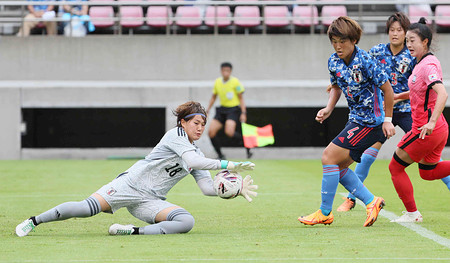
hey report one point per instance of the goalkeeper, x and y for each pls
(142, 189)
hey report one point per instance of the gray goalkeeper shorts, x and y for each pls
(119, 194)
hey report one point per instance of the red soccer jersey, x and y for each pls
(423, 98)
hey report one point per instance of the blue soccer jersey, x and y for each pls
(398, 67)
(360, 81)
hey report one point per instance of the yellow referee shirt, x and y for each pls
(228, 92)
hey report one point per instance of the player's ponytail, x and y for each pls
(188, 110)
(422, 30)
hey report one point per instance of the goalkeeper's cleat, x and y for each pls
(372, 209)
(348, 205)
(317, 218)
(409, 217)
(25, 228)
(118, 229)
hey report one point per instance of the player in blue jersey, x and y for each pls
(361, 78)
(142, 189)
(397, 62)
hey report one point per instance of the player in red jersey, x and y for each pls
(428, 136)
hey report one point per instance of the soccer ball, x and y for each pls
(227, 184)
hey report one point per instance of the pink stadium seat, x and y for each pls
(331, 12)
(159, 16)
(417, 11)
(131, 16)
(247, 16)
(188, 16)
(222, 13)
(102, 16)
(305, 15)
(276, 16)
(442, 13)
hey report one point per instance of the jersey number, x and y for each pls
(174, 170)
(351, 132)
(394, 78)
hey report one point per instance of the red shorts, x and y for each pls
(428, 149)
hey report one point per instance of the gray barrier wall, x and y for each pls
(154, 71)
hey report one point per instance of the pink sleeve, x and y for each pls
(432, 74)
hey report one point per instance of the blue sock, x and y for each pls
(362, 169)
(330, 182)
(352, 183)
(446, 180)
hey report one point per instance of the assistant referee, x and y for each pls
(232, 108)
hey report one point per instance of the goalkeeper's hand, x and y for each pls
(237, 166)
(248, 188)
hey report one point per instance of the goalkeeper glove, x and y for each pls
(248, 188)
(237, 166)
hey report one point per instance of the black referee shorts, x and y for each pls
(225, 113)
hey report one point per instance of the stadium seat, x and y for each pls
(188, 16)
(331, 12)
(131, 16)
(415, 12)
(442, 13)
(102, 16)
(159, 16)
(247, 16)
(276, 16)
(305, 16)
(220, 15)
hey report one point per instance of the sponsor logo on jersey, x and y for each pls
(338, 74)
(432, 77)
(111, 191)
(383, 61)
(414, 79)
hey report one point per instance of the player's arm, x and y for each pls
(388, 127)
(401, 96)
(335, 93)
(243, 117)
(198, 162)
(204, 182)
(441, 100)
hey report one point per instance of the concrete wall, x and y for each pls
(156, 57)
(10, 119)
(112, 71)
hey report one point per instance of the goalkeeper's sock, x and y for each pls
(178, 221)
(85, 208)
(362, 169)
(330, 182)
(352, 183)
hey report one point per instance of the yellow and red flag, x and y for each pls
(257, 136)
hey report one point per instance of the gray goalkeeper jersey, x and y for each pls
(163, 167)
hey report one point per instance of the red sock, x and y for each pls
(402, 184)
(434, 172)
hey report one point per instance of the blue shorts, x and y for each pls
(358, 138)
(403, 120)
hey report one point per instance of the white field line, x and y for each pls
(232, 259)
(412, 226)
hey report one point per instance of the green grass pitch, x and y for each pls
(265, 230)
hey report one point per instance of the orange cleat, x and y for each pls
(373, 209)
(317, 218)
(348, 205)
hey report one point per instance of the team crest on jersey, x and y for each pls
(356, 74)
(403, 65)
(111, 191)
(432, 77)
